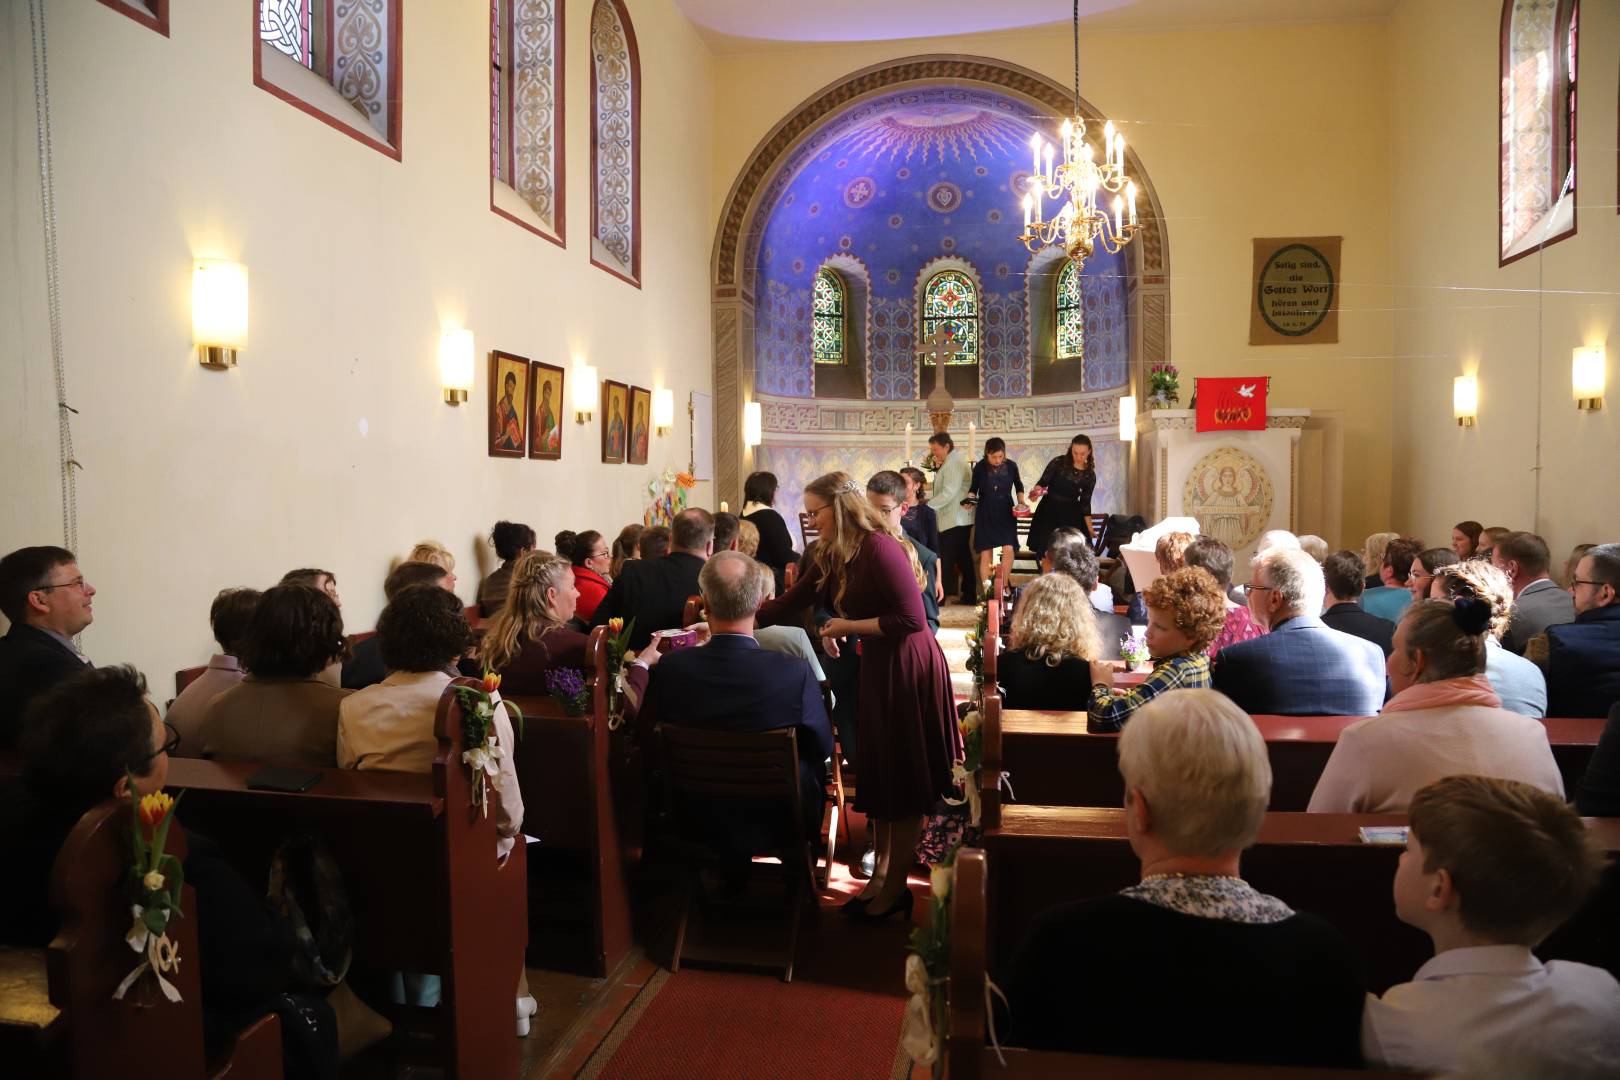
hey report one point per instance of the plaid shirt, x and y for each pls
(1109, 711)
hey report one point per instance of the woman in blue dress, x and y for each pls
(995, 486)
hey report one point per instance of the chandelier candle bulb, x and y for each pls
(1119, 207)
(1047, 151)
(1119, 152)
(1035, 148)
(1029, 208)
(1130, 195)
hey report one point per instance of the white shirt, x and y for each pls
(1102, 598)
(1495, 1002)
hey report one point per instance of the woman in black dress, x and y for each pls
(995, 484)
(1064, 491)
(775, 542)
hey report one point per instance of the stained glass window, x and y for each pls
(1071, 316)
(1538, 123)
(951, 302)
(827, 318)
(285, 24)
(616, 122)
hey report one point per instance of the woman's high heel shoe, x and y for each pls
(865, 913)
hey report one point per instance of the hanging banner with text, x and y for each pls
(1231, 404)
(1296, 291)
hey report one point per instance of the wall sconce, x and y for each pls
(584, 392)
(1127, 418)
(456, 365)
(1465, 399)
(1588, 377)
(219, 311)
(663, 410)
(753, 424)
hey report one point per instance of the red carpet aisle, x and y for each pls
(840, 1016)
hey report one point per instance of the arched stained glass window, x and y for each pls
(1071, 315)
(616, 142)
(1538, 124)
(951, 301)
(827, 318)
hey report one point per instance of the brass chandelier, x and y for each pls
(1078, 184)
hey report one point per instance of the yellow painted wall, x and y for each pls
(1245, 132)
(1515, 326)
(196, 479)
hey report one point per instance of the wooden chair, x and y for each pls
(693, 611)
(185, 677)
(89, 958)
(758, 766)
(1097, 530)
(474, 616)
(790, 575)
(807, 528)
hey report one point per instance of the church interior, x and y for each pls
(358, 273)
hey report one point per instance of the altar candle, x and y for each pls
(973, 436)
(724, 506)
(1130, 194)
(908, 422)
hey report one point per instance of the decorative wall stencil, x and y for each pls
(1107, 331)
(536, 115)
(360, 57)
(616, 142)
(1231, 495)
(901, 180)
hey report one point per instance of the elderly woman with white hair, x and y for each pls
(1182, 963)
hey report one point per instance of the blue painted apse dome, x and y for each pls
(894, 189)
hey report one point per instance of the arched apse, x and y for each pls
(802, 138)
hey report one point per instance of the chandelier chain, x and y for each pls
(1077, 57)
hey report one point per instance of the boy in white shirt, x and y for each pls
(1491, 867)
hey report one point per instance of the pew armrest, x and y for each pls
(254, 1053)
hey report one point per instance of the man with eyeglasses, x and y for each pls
(47, 600)
(1583, 657)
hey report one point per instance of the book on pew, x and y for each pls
(1383, 834)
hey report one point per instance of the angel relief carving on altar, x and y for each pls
(1230, 495)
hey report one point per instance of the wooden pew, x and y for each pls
(969, 1056)
(185, 677)
(1041, 856)
(581, 799)
(419, 863)
(1052, 759)
(65, 993)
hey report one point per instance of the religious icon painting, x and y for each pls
(615, 421)
(508, 404)
(640, 425)
(545, 426)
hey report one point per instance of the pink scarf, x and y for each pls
(1472, 690)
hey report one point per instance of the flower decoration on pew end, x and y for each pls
(618, 646)
(928, 961)
(482, 751)
(155, 881)
(567, 687)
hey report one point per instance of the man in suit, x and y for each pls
(654, 591)
(47, 600)
(732, 684)
(1583, 656)
(1537, 602)
(1345, 576)
(955, 520)
(1069, 552)
(1302, 667)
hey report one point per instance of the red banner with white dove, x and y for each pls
(1231, 404)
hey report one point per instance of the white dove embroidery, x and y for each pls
(1246, 391)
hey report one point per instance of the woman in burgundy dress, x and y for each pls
(906, 733)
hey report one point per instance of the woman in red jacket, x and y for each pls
(591, 557)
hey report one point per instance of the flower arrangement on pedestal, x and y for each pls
(155, 878)
(1164, 386)
(1134, 651)
(483, 752)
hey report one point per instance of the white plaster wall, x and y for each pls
(195, 479)
(1458, 312)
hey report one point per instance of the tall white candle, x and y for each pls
(1035, 150)
(908, 442)
(725, 507)
(1119, 151)
(1108, 142)
(1048, 153)
(1119, 206)
(1029, 208)
(1130, 194)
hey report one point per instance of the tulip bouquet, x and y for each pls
(156, 878)
(618, 644)
(483, 752)
(1164, 386)
(928, 963)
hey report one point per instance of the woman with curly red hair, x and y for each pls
(1186, 609)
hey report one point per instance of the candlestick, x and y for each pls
(908, 435)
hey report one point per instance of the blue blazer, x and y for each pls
(1303, 668)
(1583, 664)
(732, 684)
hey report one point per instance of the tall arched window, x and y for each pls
(526, 114)
(353, 46)
(827, 306)
(1538, 124)
(616, 143)
(1071, 315)
(951, 301)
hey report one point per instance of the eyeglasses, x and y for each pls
(1250, 587)
(76, 583)
(171, 743)
(1579, 581)
(599, 554)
